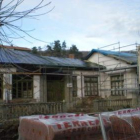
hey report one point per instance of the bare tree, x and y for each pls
(9, 14)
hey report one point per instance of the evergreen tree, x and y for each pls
(49, 50)
(39, 50)
(74, 50)
(57, 48)
(64, 46)
(34, 50)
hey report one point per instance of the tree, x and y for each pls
(49, 50)
(34, 50)
(9, 14)
(57, 48)
(74, 50)
(39, 50)
(64, 46)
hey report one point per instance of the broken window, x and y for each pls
(22, 86)
(91, 86)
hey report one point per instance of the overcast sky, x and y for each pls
(86, 23)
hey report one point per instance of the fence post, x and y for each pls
(102, 127)
(95, 105)
(64, 106)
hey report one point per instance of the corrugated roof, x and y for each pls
(21, 57)
(10, 56)
(68, 62)
(127, 57)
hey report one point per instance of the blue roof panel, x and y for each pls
(10, 56)
(75, 63)
(66, 61)
(21, 57)
(125, 56)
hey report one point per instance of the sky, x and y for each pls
(88, 24)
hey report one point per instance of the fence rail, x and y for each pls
(112, 104)
(13, 111)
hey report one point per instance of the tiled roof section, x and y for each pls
(124, 56)
(16, 48)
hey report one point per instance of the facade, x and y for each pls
(26, 77)
(119, 79)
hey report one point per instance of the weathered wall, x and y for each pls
(130, 84)
(7, 83)
(106, 61)
(36, 87)
(80, 80)
(7, 87)
(43, 88)
(130, 76)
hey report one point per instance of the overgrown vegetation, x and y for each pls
(58, 49)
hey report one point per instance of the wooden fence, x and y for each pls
(13, 111)
(112, 104)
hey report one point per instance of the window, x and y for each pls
(91, 86)
(117, 85)
(22, 86)
(74, 86)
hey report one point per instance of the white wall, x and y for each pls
(108, 62)
(80, 80)
(36, 87)
(130, 83)
(7, 87)
(130, 76)
(7, 83)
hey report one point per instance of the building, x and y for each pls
(26, 77)
(119, 79)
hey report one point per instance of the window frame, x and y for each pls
(89, 86)
(21, 80)
(117, 82)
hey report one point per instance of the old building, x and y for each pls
(26, 77)
(119, 80)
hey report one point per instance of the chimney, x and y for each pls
(71, 56)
